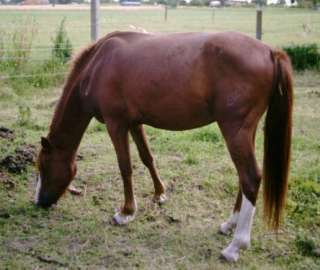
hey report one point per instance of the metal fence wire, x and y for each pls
(276, 26)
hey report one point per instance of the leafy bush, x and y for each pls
(304, 56)
(62, 47)
(199, 3)
(196, 3)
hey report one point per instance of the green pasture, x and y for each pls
(281, 26)
(195, 166)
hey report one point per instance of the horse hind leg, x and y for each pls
(140, 140)
(229, 225)
(241, 149)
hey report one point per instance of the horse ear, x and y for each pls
(46, 145)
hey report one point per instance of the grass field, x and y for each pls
(195, 166)
(281, 26)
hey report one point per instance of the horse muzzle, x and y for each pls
(45, 200)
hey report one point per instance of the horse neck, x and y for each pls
(69, 122)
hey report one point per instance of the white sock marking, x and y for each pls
(36, 197)
(241, 239)
(121, 219)
(231, 223)
(160, 199)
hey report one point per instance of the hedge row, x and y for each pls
(304, 57)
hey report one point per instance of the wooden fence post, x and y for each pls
(259, 20)
(95, 9)
(165, 12)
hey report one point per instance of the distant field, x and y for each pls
(195, 166)
(281, 26)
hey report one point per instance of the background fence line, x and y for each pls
(283, 30)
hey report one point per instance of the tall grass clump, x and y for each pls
(21, 73)
(62, 47)
(304, 57)
(17, 51)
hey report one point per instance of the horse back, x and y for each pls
(181, 81)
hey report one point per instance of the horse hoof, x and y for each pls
(225, 228)
(74, 191)
(160, 199)
(121, 219)
(229, 255)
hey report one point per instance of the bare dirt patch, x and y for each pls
(18, 162)
(6, 133)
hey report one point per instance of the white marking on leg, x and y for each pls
(38, 187)
(241, 239)
(121, 219)
(160, 199)
(230, 224)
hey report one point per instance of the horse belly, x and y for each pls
(173, 114)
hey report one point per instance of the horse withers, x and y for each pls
(177, 82)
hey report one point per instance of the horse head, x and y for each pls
(56, 170)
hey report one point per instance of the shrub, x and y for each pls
(196, 3)
(62, 47)
(172, 3)
(304, 56)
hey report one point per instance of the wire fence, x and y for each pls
(280, 27)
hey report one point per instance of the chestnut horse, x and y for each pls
(177, 82)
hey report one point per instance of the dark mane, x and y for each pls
(77, 65)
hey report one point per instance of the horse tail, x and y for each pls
(277, 142)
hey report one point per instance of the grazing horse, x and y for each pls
(177, 82)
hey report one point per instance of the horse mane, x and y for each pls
(78, 66)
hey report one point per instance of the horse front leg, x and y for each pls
(120, 139)
(140, 140)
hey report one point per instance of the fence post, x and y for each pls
(259, 20)
(165, 12)
(213, 14)
(95, 8)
